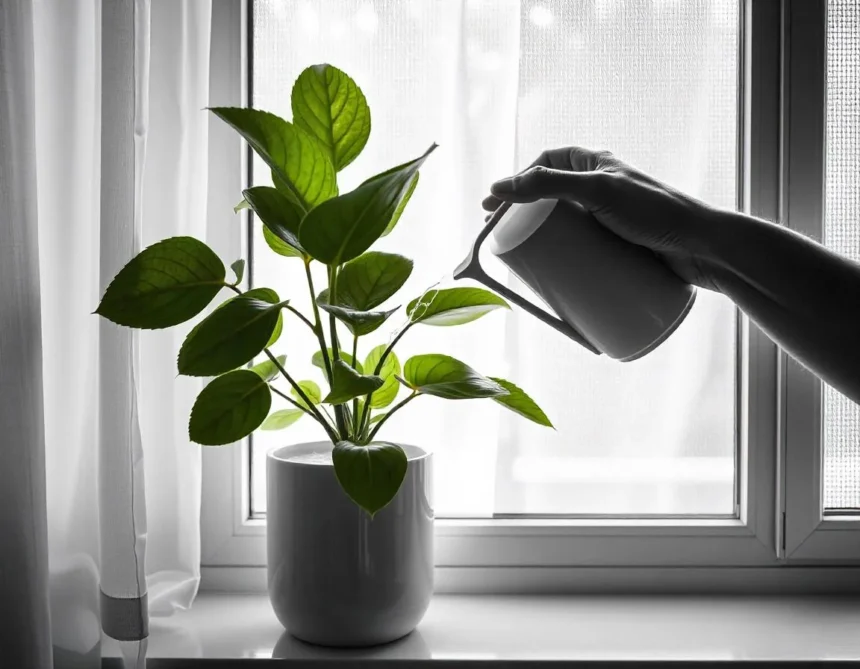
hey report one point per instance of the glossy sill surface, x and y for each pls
(531, 630)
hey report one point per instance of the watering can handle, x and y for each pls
(471, 268)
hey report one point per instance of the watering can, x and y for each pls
(609, 295)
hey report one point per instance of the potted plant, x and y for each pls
(350, 555)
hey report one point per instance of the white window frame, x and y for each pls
(780, 540)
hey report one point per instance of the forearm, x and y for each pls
(805, 297)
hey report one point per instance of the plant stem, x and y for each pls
(365, 413)
(390, 414)
(355, 421)
(301, 393)
(317, 328)
(301, 316)
(326, 426)
(335, 348)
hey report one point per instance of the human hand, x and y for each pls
(628, 202)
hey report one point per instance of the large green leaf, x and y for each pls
(371, 475)
(387, 393)
(401, 206)
(230, 408)
(344, 227)
(444, 376)
(300, 166)
(317, 360)
(329, 105)
(519, 402)
(366, 282)
(281, 217)
(348, 384)
(229, 337)
(453, 306)
(166, 284)
(359, 323)
(268, 370)
(311, 389)
(278, 420)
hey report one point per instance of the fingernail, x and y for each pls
(502, 186)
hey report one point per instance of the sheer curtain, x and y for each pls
(495, 82)
(104, 150)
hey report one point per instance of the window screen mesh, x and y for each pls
(842, 233)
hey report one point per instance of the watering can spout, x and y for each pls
(470, 268)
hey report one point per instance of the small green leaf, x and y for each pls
(348, 384)
(166, 284)
(300, 166)
(329, 106)
(270, 296)
(519, 402)
(387, 393)
(444, 376)
(371, 475)
(229, 337)
(268, 370)
(366, 282)
(281, 217)
(278, 420)
(401, 206)
(378, 417)
(311, 389)
(239, 207)
(278, 246)
(317, 360)
(230, 408)
(359, 323)
(454, 306)
(344, 227)
(238, 268)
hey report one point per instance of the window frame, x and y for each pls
(777, 449)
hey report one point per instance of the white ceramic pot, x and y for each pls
(336, 577)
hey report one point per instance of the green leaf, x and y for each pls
(300, 166)
(519, 402)
(230, 408)
(329, 106)
(454, 306)
(344, 227)
(359, 323)
(278, 246)
(366, 282)
(444, 376)
(387, 393)
(270, 296)
(378, 417)
(317, 360)
(281, 217)
(238, 268)
(268, 370)
(166, 284)
(278, 420)
(371, 475)
(311, 389)
(401, 206)
(229, 337)
(239, 207)
(348, 384)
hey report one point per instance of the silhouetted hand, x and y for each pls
(627, 201)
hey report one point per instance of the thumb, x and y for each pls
(540, 182)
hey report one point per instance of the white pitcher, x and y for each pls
(609, 295)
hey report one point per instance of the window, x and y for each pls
(725, 453)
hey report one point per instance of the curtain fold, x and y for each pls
(103, 150)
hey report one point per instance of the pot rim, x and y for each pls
(279, 455)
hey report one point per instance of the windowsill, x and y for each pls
(529, 630)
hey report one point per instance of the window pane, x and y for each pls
(494, 83)
(842, 233)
